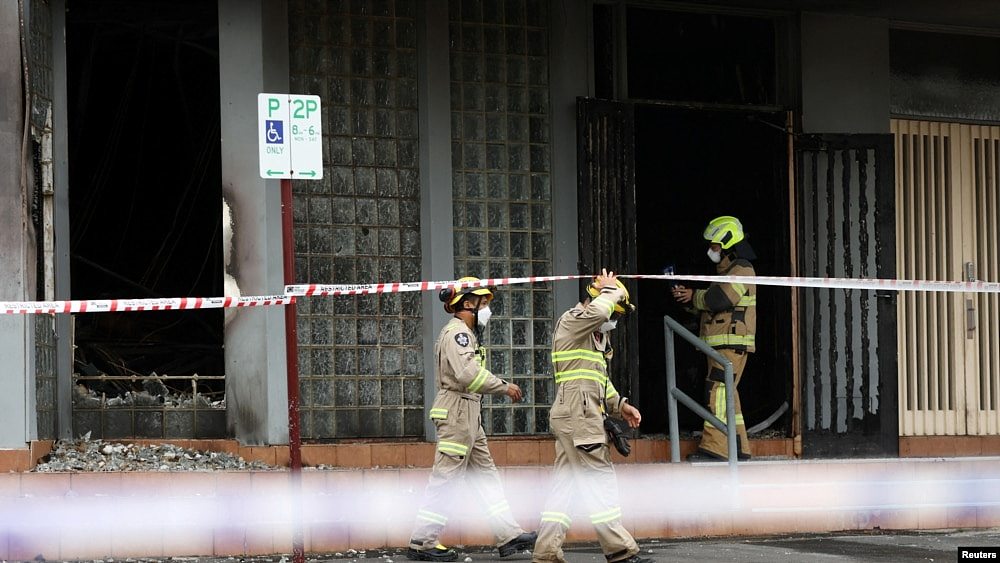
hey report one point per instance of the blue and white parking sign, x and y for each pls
(273, 132)
(295, 151)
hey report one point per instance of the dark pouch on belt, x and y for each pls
(616, 434)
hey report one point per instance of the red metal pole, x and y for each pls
(292, 368)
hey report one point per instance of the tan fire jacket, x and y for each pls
(462, 379)
(579, 361)
(729, 310)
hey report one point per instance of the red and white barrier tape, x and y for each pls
(293, 291)
(829, 283)
(837, 283)
(402, 287)
(158, 304)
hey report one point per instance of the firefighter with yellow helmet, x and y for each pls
(728, 324)
(583, 472)
(462, 379)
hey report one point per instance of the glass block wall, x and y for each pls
(360, 358)
(502, 199)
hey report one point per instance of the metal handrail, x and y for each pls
(670, 327)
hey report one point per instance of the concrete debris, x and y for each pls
(97, 455)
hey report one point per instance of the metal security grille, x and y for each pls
(360, 358)
(848, 392)
(502, 197)
(40, 65)
(946, 191)
(607, 214)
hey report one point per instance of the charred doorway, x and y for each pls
(691, 166)
(707, 92)
(145, 215)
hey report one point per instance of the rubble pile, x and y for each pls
(153, 394)
(97, 455)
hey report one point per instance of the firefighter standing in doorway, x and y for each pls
(462, 379)
(583, 472)
(728, 323)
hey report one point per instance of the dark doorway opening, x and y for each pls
(145, 187)
(693, 165)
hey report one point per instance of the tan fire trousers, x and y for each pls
(445, 484)
(584, 479)
(713, 440)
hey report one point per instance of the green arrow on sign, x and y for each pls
(308, 173)
(274, 172)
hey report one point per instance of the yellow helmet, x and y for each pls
(452, 295)
(623, 307)
(724, 231)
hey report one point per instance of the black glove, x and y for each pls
(616, 434)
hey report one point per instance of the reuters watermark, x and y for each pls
(979, 553)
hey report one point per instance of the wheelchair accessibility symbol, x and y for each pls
(273, 131)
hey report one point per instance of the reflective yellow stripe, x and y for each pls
(440, 414)
(579, 354)
(716, 340)
(557, 517)
(479, 380)
(498, 508)
(699, 299)
(572, 374)
(432, 517)
(719, 408)
(739, 288)
(606, 516)
(600, 299)
(609, 390)
(452, 448)
(747, 301)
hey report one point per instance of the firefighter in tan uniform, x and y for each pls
(583, 473)
(728, 323)
(462, 379)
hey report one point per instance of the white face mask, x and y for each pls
(714, 255)
(608, 326)
(484, 316)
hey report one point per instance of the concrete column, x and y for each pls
(17, 376)
(569, 71)
(845, 74)
(253, 58)
(436, 237)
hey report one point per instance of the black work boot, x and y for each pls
(637, 559)
(520, 543)
(437, 553)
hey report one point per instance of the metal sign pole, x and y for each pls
(292, 368)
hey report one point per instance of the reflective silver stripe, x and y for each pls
(699, 299)
(603, 300)
(606, 516)
(434, 517)
(439, 414)
(557, 517)
(579, 354)
(452, 448)
(498, 508)
(582, 373)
